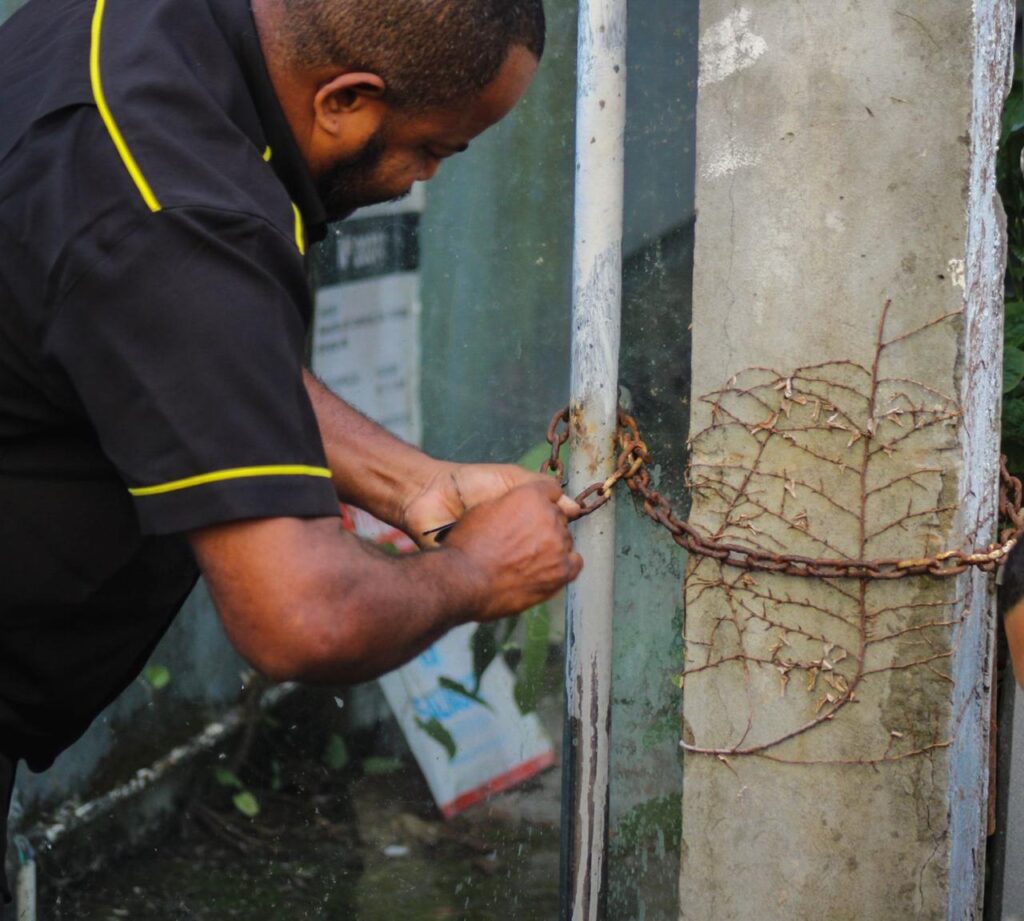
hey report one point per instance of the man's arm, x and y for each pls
(398, 483)
(1010, 605)
(304, 600)
(372, 468)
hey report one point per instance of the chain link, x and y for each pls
(631, 468)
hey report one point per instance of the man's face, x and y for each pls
(409, 147)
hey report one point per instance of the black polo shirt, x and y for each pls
(154, 214)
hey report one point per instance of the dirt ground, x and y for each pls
(360, 842)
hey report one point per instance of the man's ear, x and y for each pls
(345, 95)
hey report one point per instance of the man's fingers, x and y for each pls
(551, 489)
(547, 486)
(575, 566)
(570, 507)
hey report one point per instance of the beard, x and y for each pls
(351, 183)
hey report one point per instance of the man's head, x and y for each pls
(378, 92)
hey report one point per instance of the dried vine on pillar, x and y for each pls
(839, 461)
(823, 513)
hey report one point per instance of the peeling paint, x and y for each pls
(728, 47)
(957, 269)
(728, 160)
(980, 385)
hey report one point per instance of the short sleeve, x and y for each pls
(185, 346)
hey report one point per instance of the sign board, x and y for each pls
(366, 333)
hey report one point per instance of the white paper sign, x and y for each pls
(497, 747)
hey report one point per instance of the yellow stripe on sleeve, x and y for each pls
(108, 119)
(267, 154)
(237, 473)
(300, 230)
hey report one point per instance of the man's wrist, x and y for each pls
(467, 584)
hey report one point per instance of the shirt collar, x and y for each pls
(236, 20)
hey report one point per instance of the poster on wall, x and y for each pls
(366, 331)
(366, 349)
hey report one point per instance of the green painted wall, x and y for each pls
(496, 280)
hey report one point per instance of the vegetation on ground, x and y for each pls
(1010, 179)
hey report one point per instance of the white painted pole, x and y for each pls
(597, 303)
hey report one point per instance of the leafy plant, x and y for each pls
(1010, 180)
(530, 674)
(527, 657)
(243, 799)
(246, 803)
(449, 684)
(522, 642)
(435, 729)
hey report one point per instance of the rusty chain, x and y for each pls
(631, 468)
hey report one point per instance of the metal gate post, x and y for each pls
(597, 302)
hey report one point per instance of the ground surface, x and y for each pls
(359, 843)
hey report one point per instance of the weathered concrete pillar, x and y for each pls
(837, 729)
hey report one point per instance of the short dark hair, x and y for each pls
(428, 52)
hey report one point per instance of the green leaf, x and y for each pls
(1013, 421)
(439, 734)
(228, 779)
(158, 676)
(336, 755)
(1013, 331)
(487, 641)
(508, 627)
(247, 804)
(1013, 367)
(485, 648)
(1014, 457)
(1013, 116)
(537, 623)
(450, 684)
(378, 767)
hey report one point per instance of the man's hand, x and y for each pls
(456, 488)
(521, 547)
(400, 484)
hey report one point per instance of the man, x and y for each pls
(1010, 607)
(163, 166)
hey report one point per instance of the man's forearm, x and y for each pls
(372, 468)
(302, 599)
(340, 611)
(391, 612)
